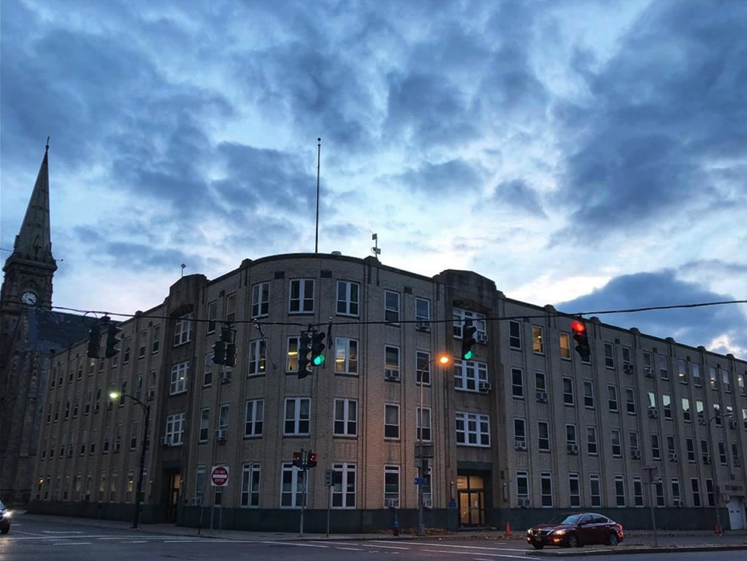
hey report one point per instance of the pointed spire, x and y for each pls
(33, 241)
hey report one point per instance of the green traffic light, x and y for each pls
(467, 355)
(318, 360)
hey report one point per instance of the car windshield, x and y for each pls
(2, 506)
(565, 519)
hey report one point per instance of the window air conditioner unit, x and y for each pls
(541, 396)
(573, 449)
(391, 375)
(166, 440)
(673, 456)
(677, 502)
(221, 435)
(706, 458)
(523, 503)
(197, 501)
(628, 368)
(423, 326)
(481, 337)
(484, 387)
(520, 444)
(150, 395)
(391, 503)
(653, 412)
(225, 377)
(714, 385)
(649, 372)
(635, 453)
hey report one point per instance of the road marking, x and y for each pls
(489, 554)
(182, 541)
(349, 548)
(72, 543)
(136, 541)
(431, 544)
(296, 544)
(47, 538)
(21, 532)
(60, 532)
(386, 546)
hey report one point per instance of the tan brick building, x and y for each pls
(522, 429)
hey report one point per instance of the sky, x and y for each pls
(586, 154)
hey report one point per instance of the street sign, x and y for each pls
(219, 476)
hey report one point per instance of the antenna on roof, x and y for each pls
(375, 249)
(184, 266)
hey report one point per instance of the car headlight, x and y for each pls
(6, 514)
(558, 533)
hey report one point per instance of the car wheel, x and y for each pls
(538, 545)
(572, 541)
(4, 530)
(613, 539)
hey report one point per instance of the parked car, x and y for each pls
(4, 519)
(576, 530)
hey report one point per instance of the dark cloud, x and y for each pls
(517, 194)
(450, 177)
(669, 104)
(693, 326)
(717, 267)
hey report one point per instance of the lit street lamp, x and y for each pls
(714, 473)
(443, 360)
(146, 409)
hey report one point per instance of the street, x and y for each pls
(35, 538)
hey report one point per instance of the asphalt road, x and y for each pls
(42, 539)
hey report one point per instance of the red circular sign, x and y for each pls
(220, 476)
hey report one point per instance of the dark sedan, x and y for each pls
(576, 530)
(4, 519)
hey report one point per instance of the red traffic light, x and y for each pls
(578, 327)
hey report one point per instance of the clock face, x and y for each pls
(29, 298)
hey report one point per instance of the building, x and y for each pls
(29, 333)
(521, 430)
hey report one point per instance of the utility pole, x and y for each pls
(649, 471)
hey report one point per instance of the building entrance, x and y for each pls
(471, 489)
(736, 513)
(175, 483)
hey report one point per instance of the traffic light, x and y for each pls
(231, 355)
(219, 352)
(468, 339)
(94, 337)
(112, 340)
(297, 459)
(317, 348)
(226, 337)
(304, 354)
(312, 460)
(582, 339)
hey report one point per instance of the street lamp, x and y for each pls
(443, 360)
(146, 410)
(714, 473)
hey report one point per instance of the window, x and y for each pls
(546, 487)
(133, 435)
(212, 314)
(682, 371)
(690, 444)
(609, 355)
(686, 409)
(616, 441)
(250, 485)
(254, 417)
(175, 429)
(735, 455)
(292, 362)
(538, 342)
(717, 415)
(348, 298)
(292, 486)
(671, 448)
(695, 372)
(740, 384)
(630, 401)
(675, 490)
(391, 420)
(343, 490)
(655, 451)
(230, 311)
(744, 418)
(207, 375)
(722, 453)
(76, 403)
(591, 441)
(391, 486)
(391, 368)
(588, 394)
(346, 417)
(462, 316)
(695, 490)
(468, 374)
(565, 345)
(423, 367)
(540, 381)
(514, 335)
(517, 383)
(257, 357)
(568, 391)
(627, 358)
(710, 492)
(574, 490)
(297, 415)
(700, 411)
(666, 401)
(301, 296)
(704, 451)
(426, 436)
(619, 491)
(712, 378)
(472, 429)
(612, 398)
(346, 356)
(200, 479)
(261, 299)
(648, 366)
(204, 424)
(183, 330)
(391, 307)
(179, 373)
(522, 485)
(423, 313)
(660, 493)
(725, 380)
(543, 436)
(595, 489)
(520, 432)
(663, 367)
(570, 435)
(637, 492)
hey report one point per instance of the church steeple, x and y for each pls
(33, 241)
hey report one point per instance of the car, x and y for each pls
(4, 519)
(576, 530)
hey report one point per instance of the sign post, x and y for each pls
(329, 481)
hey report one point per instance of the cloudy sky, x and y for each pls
(585, 154)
